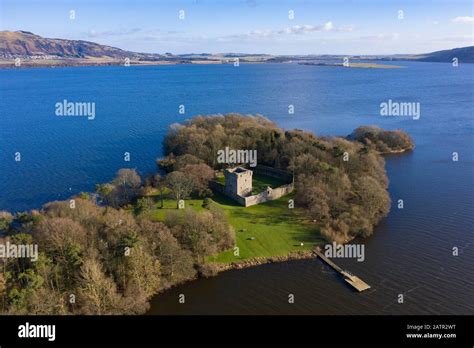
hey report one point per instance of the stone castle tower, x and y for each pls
(238, 181)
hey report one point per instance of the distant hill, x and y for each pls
(35, 50)
(464, 55)
(24, 44)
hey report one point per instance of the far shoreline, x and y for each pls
(358, 65)
(7, 64)
(10, 65)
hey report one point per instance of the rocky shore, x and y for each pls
(257, 261)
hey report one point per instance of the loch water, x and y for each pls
(410, 252)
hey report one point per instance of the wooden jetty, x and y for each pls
(351, 279)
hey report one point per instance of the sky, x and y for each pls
(288, 27)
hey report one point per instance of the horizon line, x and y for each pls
(235, 52)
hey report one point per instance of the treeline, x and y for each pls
(340, 183)
(101, 259)
(381, 140)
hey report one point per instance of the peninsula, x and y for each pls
(200, 214)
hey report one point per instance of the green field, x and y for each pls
(263, 230)
(260, 183)
(268, 229)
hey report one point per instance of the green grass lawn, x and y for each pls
(220, 178)
(159, 213)
(268, 229)
(263, 230)
(260, 183)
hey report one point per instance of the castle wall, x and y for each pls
(273, 173)
(238, 189)
(219, 188)
(269, 195)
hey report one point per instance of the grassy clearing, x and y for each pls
(260, 183)
(158, 214)
(263, 230)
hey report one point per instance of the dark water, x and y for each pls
(410, 252)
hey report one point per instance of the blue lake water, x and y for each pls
(411, 250)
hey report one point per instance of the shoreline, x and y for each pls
(394, 152)
(258, 261)
(24, 65)
(218, 268)
(239, 265)
(359, 65)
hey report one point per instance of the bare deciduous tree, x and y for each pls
(180, 184)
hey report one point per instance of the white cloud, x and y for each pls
(305, 29)
(328, 26)
(347, 29)
(382, 37)
(293, 30)
(463, 19)
(465, 39)
(108, 33)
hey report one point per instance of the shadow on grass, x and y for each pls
(273, 213)
(223, 200)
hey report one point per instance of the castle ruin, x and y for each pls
(238, 185)
(238, 181)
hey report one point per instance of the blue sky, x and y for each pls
(251, 26)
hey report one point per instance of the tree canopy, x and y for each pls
(341, 183)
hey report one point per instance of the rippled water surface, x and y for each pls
(410, 252)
